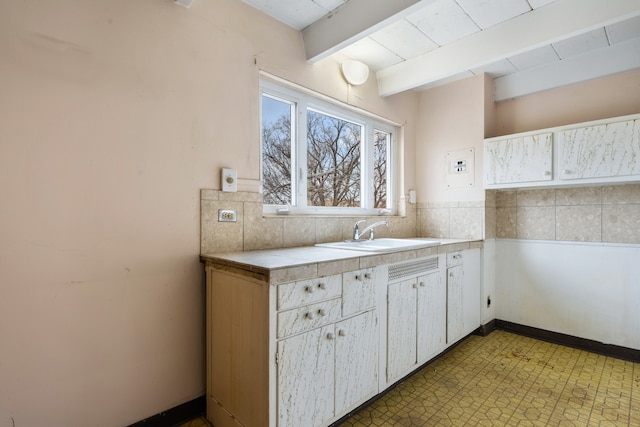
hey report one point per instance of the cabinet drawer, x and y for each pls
(454, 258)
(308, 317)
(358, 291)
(305, 292)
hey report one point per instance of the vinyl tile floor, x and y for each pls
(508, 380)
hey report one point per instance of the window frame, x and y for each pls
(303, 99)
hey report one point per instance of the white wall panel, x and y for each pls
(590, 291)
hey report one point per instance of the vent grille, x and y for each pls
(400, 271)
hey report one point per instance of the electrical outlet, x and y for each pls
(227, 215)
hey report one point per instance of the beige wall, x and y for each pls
(113, 115)
(451, 118)
(612, 96)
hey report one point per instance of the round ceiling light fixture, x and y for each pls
(355, 72)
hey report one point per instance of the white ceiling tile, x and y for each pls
(625, 30)
(295, 13)
(404, 39)
(496, 69)
(533, 58)
(580, 44)
(329, 5)
(487, 13)
(539, 3)
(443, 21)
(371, 53)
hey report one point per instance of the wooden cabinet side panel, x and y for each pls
(238, 330)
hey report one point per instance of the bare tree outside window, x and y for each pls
(276, 151)
(333, 150)
(333, 161)
(380, 157)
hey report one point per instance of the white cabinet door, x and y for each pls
(356, 360)
(401, 328)
(306, 378)
(519, 159)
(431, 316)
(358, 291)
(455, 281)
(471, 292)
(601, 151)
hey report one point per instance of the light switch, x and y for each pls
(229, 180)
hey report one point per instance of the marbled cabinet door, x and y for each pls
(306, 378)
(356, 360)
(401, 328)
(431, 316)
(600, 151)
(455, 282)
(519, 159)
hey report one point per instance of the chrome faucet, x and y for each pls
(356, 230)
(357, 233)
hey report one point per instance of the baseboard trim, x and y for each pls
(487, 328)
(611, 350)
(177, 415)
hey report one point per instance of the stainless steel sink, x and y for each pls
(381, 245)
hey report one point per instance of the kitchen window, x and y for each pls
(319, 157)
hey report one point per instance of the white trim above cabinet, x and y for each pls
(597, 152)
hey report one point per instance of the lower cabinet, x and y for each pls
(306, 352)
(356, 371)
(306, 378)
(323, 372)
(455, 325)
(463, 294)
(431, 315)
(415, 322)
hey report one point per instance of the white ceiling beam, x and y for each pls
(354, 20)
(620, 57)
(528, 31)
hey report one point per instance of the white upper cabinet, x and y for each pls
(608, 150)
(598, 152)
(520, 159)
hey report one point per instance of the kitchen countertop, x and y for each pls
(286, 264)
